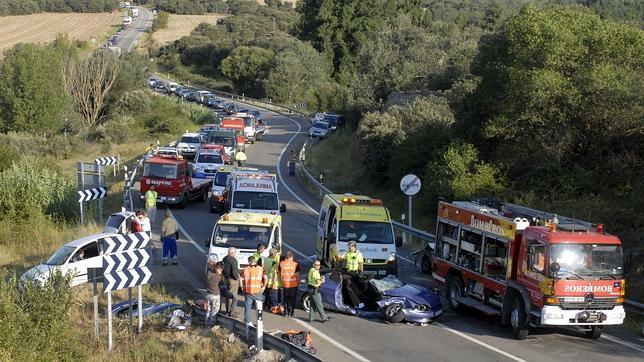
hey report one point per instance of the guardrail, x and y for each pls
(128, 200)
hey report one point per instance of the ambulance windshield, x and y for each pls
(366, 232)
(242, 236)
(587, 259)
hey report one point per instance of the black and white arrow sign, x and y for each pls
(126, 279)
(120, 243)
(91, 194)
(103, 161)
(132, 259)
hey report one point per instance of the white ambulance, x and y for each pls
(254, 193)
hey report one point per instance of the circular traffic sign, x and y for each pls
(410, 185)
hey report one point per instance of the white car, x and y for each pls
(169, 151)
(119, 222)
(172, 86)
(190, 144)
(319, 129)
(68, 260)
(318, 117)
(207, 162)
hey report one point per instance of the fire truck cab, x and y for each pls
(531, 268)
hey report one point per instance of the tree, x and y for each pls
(245, 67)
(89, 82)
(32, 97)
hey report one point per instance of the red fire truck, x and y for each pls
(235, 124)
(173, 180)
(531, 268)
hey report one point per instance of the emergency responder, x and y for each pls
(353, 266)
(270, 264)
(289, 271)
(258, 253)
(315, 281)
(151, 203)
(254, 282)
(169, 232)
(292, 159)
(240, 157)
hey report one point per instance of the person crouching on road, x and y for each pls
(169, 232)
(289, 276)
(315, 282)
(254, 283)
(215, 276)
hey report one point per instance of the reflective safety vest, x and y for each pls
(287, 273)
(150, 198)
(352, 260)
(258, 258)
(270, 267)
(253, 276)
(314, 277)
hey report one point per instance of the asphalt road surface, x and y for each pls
(456, 337)
(139, 26)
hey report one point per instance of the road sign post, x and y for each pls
(410, 186)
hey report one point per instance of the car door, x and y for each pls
(79, 267)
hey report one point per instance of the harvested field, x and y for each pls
(43, 27)
(181, 25)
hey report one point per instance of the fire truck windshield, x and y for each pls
(160, 170)
(587, 259)
(366, 232)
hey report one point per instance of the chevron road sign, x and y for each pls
(126, 279)
(121, 243)
(103, 161)
(91, 194)
(132, 259)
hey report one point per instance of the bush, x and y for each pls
(134, 102)
(40, 190)
(7, 156)
(28, 144)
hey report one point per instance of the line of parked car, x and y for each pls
(323, 124)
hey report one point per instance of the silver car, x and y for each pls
(319, 130)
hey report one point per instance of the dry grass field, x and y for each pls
(43, 27)
(181, 25)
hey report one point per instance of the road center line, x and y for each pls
(482, 344)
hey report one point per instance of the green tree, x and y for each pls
(32, 97)
(246, 67)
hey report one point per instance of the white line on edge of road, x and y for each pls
(482, 344)
(331, 340)
(623, 343)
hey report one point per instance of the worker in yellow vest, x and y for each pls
(353, 260)
(315, 280)
(354, 266)
(151, 203)
(254, 282)
(270, 264)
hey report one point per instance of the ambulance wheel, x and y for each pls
(425, 265)
(518, 319)
(594, 332)
(454, 291)
(394, 313)
(305, 303)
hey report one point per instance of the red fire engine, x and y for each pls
(531, 268)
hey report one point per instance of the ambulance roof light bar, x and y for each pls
(354, 201)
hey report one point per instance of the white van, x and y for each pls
(254, 193)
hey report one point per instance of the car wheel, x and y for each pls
(394, 313)
(305, 303)
(454, 291)
(518, 319)
(204, 196)
(426, 265)
(594, 332)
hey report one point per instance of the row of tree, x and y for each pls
(25, 7)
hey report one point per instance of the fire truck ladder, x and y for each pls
(535, 215)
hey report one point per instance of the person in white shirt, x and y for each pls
(144, 220)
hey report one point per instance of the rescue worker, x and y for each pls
(151, 203)
(270, 264)
(315, 281)
(258, 253)
(289, 271)
(135, 224)
(240, 157)
(168, 237)
(254, 282)
(215, 276)
(292, 159)
(353, 266)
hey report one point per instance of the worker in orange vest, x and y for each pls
(253, 284)
(289, 276)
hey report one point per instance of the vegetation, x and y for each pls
(160, 21)
(24, 7)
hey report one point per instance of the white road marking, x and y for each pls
(483, 344)
(331, 340)
(405, 259)
(623, 343)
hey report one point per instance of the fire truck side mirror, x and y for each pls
(554, 269)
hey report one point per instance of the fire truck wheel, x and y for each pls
(184, 201)
(454, 291)
(594, 332)
(425, 265)
(204, 195)
(518, 319)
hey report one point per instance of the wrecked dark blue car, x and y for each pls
(122, 309)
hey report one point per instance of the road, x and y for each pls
(456, 338)
(139, 26)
